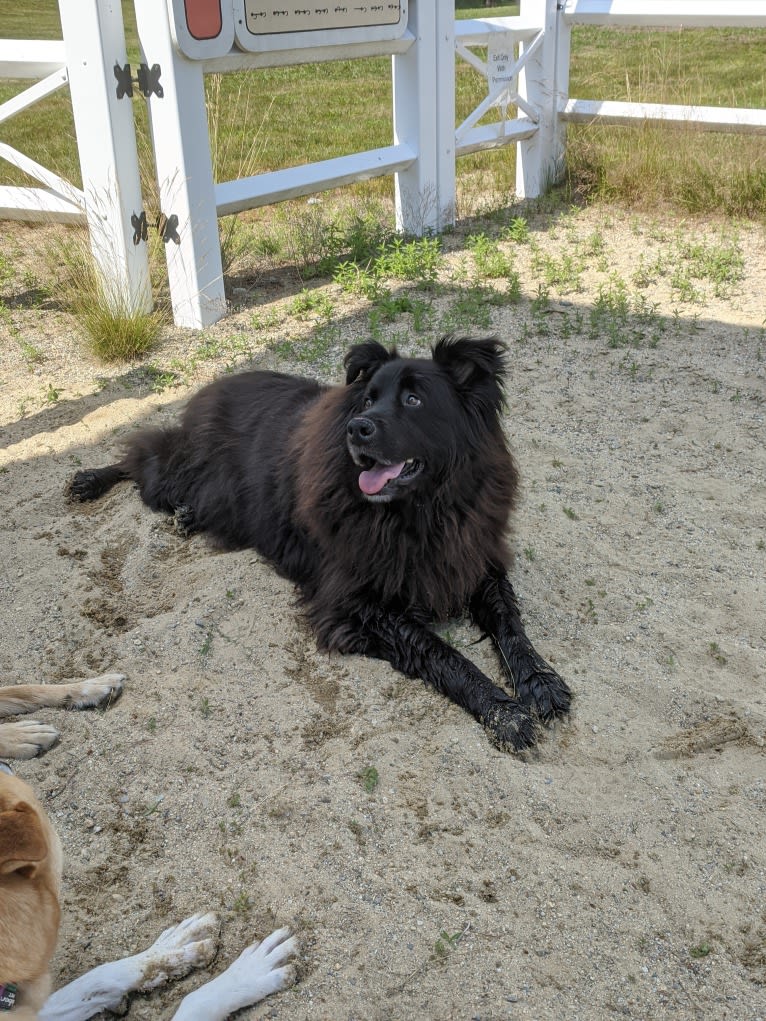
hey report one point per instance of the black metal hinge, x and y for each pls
(147, 79)
(167, 226)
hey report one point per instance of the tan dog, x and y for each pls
(30, 874)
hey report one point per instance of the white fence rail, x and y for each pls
(525, 61)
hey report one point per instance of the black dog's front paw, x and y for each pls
(539, 687)
(509, 726)
(184, 522)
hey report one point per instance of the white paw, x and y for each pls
(178, 950)
(98, 690)
(258, 970)
(27, 738)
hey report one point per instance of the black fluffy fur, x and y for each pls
(273, 462)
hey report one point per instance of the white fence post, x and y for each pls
(424, 119)
(94, 40)
(184, 173)
(543, 81)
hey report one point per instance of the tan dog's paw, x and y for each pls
(96, 691)
(26, 739)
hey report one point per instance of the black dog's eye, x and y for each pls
(412, 401)
(367, 403)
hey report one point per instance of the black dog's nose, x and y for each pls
(360, 429)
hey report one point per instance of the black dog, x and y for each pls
(386, 501)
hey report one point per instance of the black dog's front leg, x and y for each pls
(495, 609)
(418, 652)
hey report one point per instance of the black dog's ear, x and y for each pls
(470, 360)
(364, 360)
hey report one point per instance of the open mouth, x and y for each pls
(378, 480)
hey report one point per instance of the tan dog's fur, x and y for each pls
(30, 878)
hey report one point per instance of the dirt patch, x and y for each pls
(617, 871)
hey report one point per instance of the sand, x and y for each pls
(619, 870)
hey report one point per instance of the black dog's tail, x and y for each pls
(148, 462)
(94, 482)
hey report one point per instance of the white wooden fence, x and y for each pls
(525, 61)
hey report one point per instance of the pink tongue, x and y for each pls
(372, 481)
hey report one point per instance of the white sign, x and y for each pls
(263, 25)
(500, 67)
(269, 16)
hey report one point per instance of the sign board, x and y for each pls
(501, 67)
(203, 29)
(263, 25)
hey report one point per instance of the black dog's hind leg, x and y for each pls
(495, 609)
(94, 482)
(418, 652)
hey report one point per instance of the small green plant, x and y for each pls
(448, 942)
(489, 260)
(700, 950)
(151, 725)
(243, 905)
(517, 230)
(589, 613)
(52, 394)
(418, 260)
(234, 800)
(370, 778)
(308, 302)
(571, 514)
(714, 651)
(204, 708)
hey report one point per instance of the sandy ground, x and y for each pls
(617, 871)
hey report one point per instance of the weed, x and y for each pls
(243, 905)
(471, 309)
(563, 275)
(588, 609)
(308, 302)
(204, 708)
(571, 514)
(52, 394)
(391, 306)
(517, 230)
(715, 652)
(700, 950)
(116, 329)
(418, 260)
(448, 941)
(489, 260)
(151, 725)
(234, 801)
(361, 280)
(370, 778)
(32, 355)
(529, 553)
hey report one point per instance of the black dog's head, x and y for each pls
(414, 419)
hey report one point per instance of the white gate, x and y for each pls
(525, 61)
